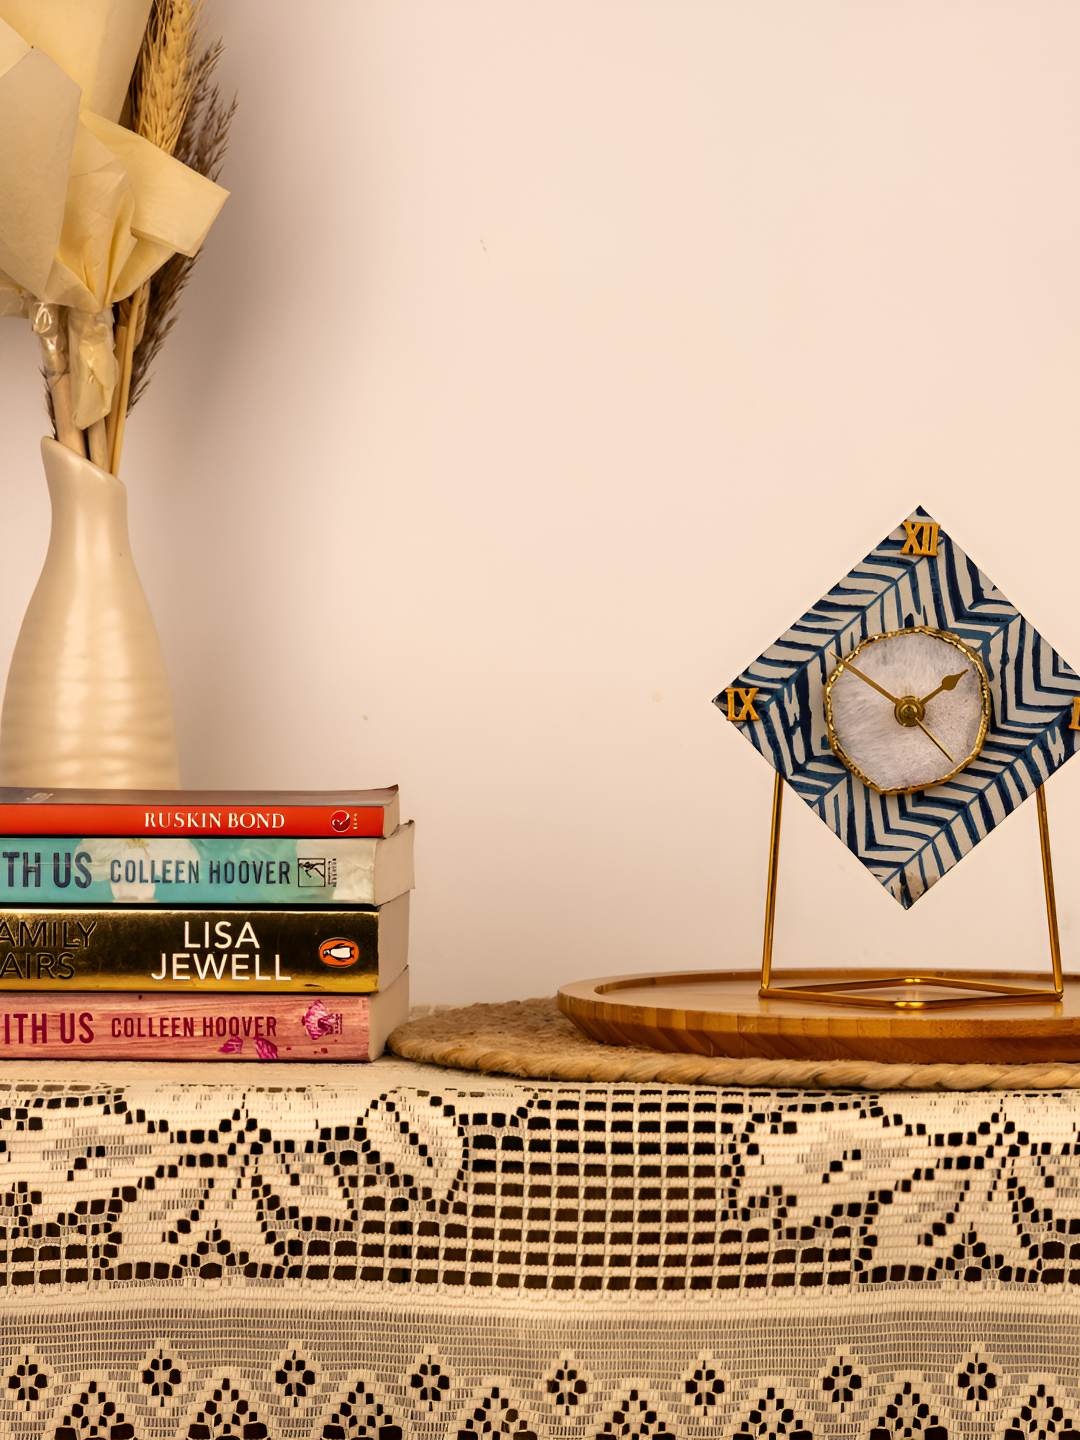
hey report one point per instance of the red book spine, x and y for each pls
(305, 821)
(104, 1026)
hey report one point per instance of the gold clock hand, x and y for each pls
(949, 683)
(872, 683)
(936, 741)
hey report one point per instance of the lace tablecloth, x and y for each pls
(395, 1250)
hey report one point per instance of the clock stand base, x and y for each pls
(906, 990)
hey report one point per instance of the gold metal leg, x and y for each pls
(770, 887)
(1048, 887)
(983, 990)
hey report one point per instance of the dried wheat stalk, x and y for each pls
(161, 91)
(163, 84)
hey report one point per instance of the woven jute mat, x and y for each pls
(534, 1040)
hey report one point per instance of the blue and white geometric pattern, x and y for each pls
(909, 841)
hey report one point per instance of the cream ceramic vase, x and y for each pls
(87, 702)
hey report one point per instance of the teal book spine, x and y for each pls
(176, 871)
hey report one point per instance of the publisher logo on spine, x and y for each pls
(340, 821)
(339, 953)
(319, 871)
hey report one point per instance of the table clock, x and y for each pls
(912, 709)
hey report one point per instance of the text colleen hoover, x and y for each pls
(186, 1027)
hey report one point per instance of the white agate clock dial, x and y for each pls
(908, 709)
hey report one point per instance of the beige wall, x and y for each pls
(547, 361)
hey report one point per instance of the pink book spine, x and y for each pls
(109, 1026)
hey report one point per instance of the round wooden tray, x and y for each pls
(719, 1012)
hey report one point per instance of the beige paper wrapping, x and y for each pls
(95, 43)
(88, 209)
(39, 114)
(94, 368)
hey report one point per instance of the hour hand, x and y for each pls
(872, 683)
(949, 683)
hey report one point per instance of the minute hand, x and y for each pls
(930, 736)
(872, 683)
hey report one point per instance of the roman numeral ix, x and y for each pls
(740, 702)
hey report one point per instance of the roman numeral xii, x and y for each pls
(920, 537)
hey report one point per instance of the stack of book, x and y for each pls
(201, 926)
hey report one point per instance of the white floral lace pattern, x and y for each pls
(406, 1254)
(591, 1189)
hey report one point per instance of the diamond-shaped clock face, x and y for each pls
(912, 708)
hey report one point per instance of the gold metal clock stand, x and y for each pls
(867, 988)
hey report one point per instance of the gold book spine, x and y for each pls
(152, 948)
